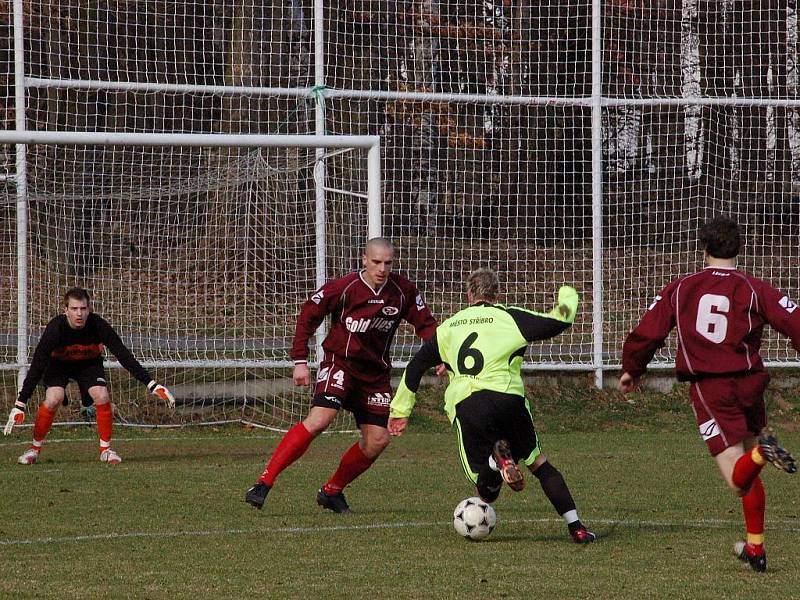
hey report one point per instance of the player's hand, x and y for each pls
(162, 392)
(301, 374)
(15, 417)
(397, 426)
(441, 370)
(628, 383)
(567, 305)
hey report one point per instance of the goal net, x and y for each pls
(557, 142)
(200, 257)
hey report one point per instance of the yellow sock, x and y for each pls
(757, 539)
(757, 457)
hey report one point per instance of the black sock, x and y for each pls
(556, 490)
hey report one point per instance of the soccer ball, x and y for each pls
(474, 519)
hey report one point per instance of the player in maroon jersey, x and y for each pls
(365, 308)
(71, 347)
(720, 313)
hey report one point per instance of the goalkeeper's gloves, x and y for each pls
(567, 306)
(15, 417)
(162, 392)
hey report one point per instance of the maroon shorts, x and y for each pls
(729, 409)
(368, 400)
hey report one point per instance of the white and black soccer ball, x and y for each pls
(474, 519)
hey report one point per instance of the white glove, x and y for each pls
(162, 392)
(15, 417)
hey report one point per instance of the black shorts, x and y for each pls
(486, 417)
(86, 373)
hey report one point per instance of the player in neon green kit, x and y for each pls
(482, 347)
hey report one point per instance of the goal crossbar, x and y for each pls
(101, 138)
(24, 137)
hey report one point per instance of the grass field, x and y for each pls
(170, 521)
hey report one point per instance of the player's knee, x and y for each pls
(100, 395)
(318, 419)
(382, 442)
(54, 403)
(53, 397)
(315, 427)
(375, 444)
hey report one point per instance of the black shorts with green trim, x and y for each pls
(485, 417)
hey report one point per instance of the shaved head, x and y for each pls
(379, 242)
(377, 260)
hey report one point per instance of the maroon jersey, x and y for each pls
(363, 321)
(720, 315)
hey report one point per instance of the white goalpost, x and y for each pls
(200, 259)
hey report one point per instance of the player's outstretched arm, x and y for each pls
(15, 417)
(405, 397)
(159, 390)
(536, 326)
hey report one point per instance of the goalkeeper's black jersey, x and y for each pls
(61, 342)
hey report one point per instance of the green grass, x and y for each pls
(170, 522)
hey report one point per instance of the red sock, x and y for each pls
(753, 507)
(105, 424)
(747, 468)
(354, 462)
(42, 425)
(291, 447)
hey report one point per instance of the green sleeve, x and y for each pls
(403, 402)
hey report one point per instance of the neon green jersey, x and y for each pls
(483, 346)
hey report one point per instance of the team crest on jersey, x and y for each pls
(420, 302)
(709, 429)
(787, 304)
(390, 310)
(317, 297)
(654, 302)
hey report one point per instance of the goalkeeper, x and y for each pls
(482, 347)
(71, 347)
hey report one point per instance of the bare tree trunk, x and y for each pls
(694, 135)
(793, 87)
(422, 68)
(243, 48)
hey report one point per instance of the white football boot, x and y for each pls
(28, 457)
(110, 457)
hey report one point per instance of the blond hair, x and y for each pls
(483, 284)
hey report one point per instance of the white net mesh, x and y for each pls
(669, 167)
(193, 254)
(485, 116)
